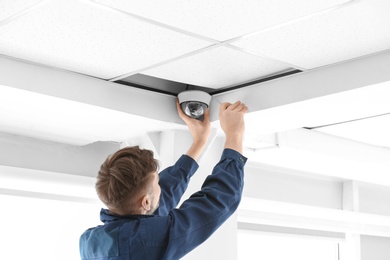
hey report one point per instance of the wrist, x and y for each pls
(196, 149)
(199, 142)
(234, 142)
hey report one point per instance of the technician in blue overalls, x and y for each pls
(142, 221)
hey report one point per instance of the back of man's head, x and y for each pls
(123, 177)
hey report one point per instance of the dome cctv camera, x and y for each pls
(194, 103)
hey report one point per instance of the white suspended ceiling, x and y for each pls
(215, 44)
(345, 33)
(222, 20)
(10, 8)
(76, 36)
(115, 39)
(237, 67)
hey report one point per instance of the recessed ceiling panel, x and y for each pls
(353, 31)
(9, 8)
(218, 68)
(80, 37)
(222, 19)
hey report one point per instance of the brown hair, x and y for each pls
(124, 175)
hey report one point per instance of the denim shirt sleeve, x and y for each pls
(173, 235)
(200, 215)
(174, 182)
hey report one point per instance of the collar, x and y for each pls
(106, 217)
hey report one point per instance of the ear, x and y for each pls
(146, 202)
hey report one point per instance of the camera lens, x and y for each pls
(194, 109)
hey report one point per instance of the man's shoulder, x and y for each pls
(99, 242)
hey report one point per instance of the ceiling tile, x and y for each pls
(10, 8)
(217, 68)
(221, 19)
(79, 37)
(356, 30)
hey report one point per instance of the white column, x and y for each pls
(350, 250)
(167, 148)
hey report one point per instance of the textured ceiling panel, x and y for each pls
(218, 68)
(222, 19)
(357, 30)
(79, 37)
(9, 8)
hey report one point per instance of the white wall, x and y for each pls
(374, 199)
(277, 184)
(354, 208)
(375, 248)
(269, 184)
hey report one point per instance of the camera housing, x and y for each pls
(194, 103)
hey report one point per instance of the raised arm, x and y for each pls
(174, 180)
(200, 132)
(200, 215)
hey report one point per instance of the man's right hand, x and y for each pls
(231, 118)
(200, 131)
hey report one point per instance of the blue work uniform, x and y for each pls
(171, 232)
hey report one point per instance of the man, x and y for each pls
(141, 221)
